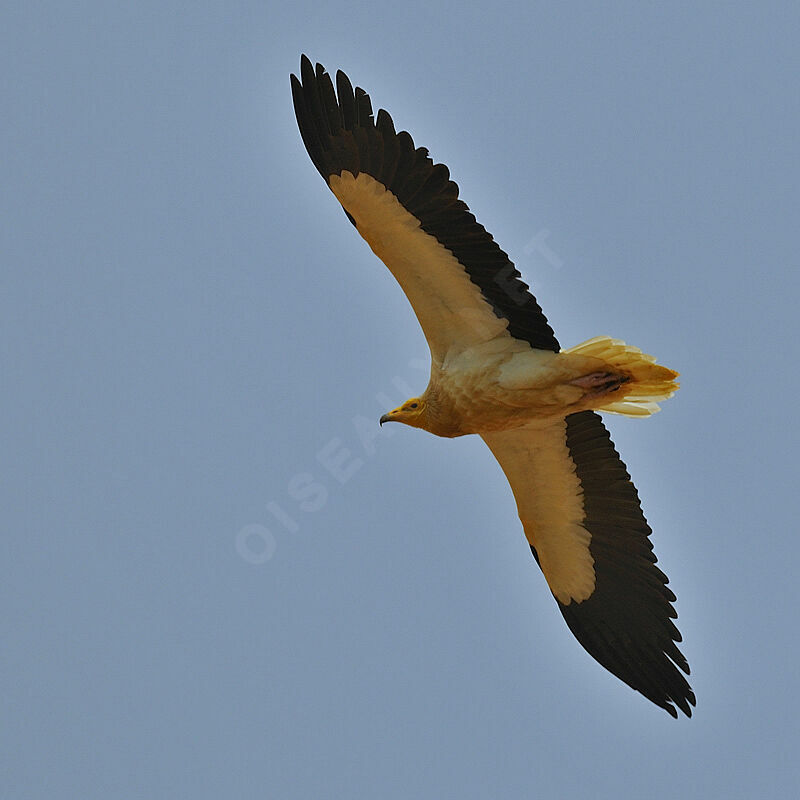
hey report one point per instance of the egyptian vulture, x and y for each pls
(497, 370)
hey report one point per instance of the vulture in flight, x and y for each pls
(497, 370)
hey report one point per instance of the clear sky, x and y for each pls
(203, 594)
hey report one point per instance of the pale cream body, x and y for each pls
(490, 388)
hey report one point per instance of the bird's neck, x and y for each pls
(439, 417)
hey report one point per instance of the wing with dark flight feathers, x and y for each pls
(584, 523)
(462, 286)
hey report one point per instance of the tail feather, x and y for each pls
(649, 383)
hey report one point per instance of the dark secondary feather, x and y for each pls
(626, 624)
(341, 134)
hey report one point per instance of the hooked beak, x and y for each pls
(386, 418)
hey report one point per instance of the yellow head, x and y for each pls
(412, 412)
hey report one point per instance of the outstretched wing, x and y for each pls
(585, 526)
(461, 285)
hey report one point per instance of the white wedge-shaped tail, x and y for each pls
(649, 383)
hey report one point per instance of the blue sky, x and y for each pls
(204, 595)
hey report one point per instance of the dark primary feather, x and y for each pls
(627, 622)
(340, 134)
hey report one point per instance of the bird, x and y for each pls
(498, 371)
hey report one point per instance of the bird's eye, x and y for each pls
(413, 405)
